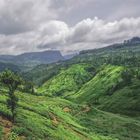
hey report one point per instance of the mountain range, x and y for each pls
(33, 58)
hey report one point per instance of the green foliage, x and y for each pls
(36, 119)
(12, 136)
(118, 54)
(68, 81)
(114, 125)
(125, 100)
(28, 87)
(42, 73)
(98, 97)
(10, 66)
(99, 85)
(12, 81)
(40, 117)
(127, 76)
(9, 79)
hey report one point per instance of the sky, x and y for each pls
(66, 25)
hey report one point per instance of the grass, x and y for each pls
(114, 125)
(98, 85)
(67, 81)
(101, 92)
(124, 101)
(56, 118)
(41, 117)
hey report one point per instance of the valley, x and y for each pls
(93, 96)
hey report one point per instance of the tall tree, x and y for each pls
(29, 87)
(11, 81)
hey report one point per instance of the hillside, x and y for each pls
(68, 80)
(69, 69)
(33, 58)
(10, 66)
(124, 101)
(40, 117)
(110, 91)
(124, 54)
(42, 73)
(107, 77)
(36, 58)
(93, 96)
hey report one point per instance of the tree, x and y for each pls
(127, 76)
(29, 87)
(11, 81)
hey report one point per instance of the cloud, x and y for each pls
(17, 16)
(87, 34)
(24, 15)
(35, 25)
(90, 33)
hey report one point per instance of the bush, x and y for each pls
(20, 131)
(127, 77)
(12, 136)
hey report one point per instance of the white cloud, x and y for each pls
(34, 25)
(87, 34)
(92, 34)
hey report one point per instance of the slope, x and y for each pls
(98, 86)
(125, 100)
(42, 73)
(68, 81)
(10, 66)
(32, 58)
(41, 118)
(110, 91)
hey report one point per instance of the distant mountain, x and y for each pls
(33, 58)
(134, 40)
(126, 44)
(45, 57)
(69, 56)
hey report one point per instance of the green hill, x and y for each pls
(68, 81)
(101, 104)
(109, 91)
(42, 73)
(93, 96)
(98, 86)
(41, 117)
(124, 101)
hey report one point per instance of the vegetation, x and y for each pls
(12, 82)
(68, 81)
(93, 96)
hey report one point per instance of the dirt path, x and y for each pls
(85, 110)
(7, 127)
(54, 119)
